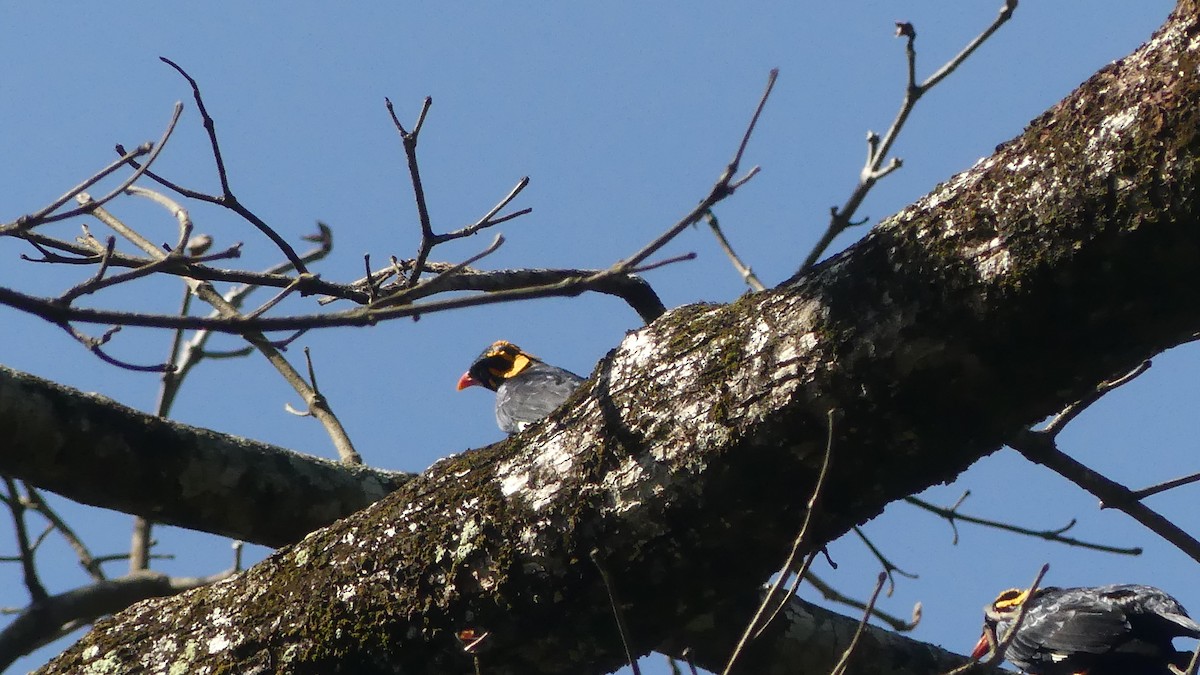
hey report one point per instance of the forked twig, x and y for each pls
(841, 219)
(1041, 447)
(953, 515)
(44, 216)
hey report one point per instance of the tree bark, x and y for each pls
(682, 467)
(64, 440)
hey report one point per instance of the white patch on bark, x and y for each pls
(347, 592)
(638, 348)
(536, 478)
(991, 258)
(1102, 147)
(218, 643)
(950, 189)
(468, 506)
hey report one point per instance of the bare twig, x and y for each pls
(840, 668)
(404, 296)
(89, 563)
(409, 140)
(208, 294)
(757, 623)
(743, 269)
(888, 566)
(615, 279)
(1166, 485)
(227, 198)
(43, 216)
(1069, 413)
(16, 506)
(723, 188)
(834, 595)
(952, 515)
(877, 150)
(618, 612)
(95, 345)
(1040, 448)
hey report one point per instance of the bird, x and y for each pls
(1124, 629)
(527, 388)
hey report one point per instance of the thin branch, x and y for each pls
(743, 269)
(952, 515)
(834, 595)
(1166, 485)
(618, 613)
(403, 297)
(409, 140)
(565, 286)
(487, 219)
(723, 188)
(17, 508)
(229, 312)
(1069, 413)
(227, 198)
(89, 562)
(888, 566)
(840, 668)
(1041, 448)
(43, 217)
(842, 219)
(96, 346)
(757, 623)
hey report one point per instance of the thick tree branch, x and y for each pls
(60, 439)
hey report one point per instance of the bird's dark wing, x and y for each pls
(1087, 630)
(533, 394)
(1151, 610)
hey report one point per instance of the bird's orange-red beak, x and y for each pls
(982, 647)
(466, 381)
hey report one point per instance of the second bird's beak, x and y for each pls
(982, 647)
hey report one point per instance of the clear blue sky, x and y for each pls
(622, 116)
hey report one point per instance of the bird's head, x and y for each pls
(997, 617)
(496, 364)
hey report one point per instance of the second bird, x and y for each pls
(1106, 630)
(527, 389)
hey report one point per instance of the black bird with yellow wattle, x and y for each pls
(1125, 629)
(527, 388)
